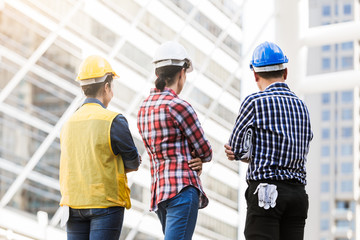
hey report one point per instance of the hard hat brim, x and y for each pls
(174, 62)
(269, 68)
(90, 81)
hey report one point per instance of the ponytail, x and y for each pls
(166, 76)
(160, 83)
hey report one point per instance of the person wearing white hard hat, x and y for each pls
(97, 150)
(272, 134)
(176, 144)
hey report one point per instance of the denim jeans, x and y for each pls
(95, 223)
(178, 215)
(285, 221)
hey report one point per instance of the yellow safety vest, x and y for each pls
(91, 175)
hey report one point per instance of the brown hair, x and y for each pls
(272, 74)
(92, 90)
(166, 75)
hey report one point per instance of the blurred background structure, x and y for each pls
(43, 42)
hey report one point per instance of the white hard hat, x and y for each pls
(172, 54)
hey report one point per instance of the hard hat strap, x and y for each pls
(269, 68)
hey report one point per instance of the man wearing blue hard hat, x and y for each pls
(272, 134)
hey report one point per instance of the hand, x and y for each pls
(229, 153)
(195, 164)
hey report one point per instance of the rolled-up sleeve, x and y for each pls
(244, 119)
(122, 142)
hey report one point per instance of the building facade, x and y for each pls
(41, 46)
(333, 164)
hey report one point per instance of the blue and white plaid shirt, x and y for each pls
(282, 133)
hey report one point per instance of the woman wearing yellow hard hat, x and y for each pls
(97, 150)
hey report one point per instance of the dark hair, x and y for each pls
(92, 90)
(166, 75)
(273, 74)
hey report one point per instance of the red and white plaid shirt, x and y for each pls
(171, 130)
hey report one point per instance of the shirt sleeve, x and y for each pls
(243, 121)
(122, 142)
(189, 124)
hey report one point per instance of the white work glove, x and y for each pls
(65, 212)
(267, 195)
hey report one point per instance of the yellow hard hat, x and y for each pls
(93, 70)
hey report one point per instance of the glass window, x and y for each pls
(347, 46)
(336, 10)
(325, 133)
(325, 98)
(61, 59)
(154, 24)
(127, 8)
(347, 62)
(346, 132)
(346, 167)
(197, 56)
(200, 98)
(325, 115)
(326, 48)
(235, 86)
(346, 114)
(100, 31)
(336, 63)
(234, 45)
(184, 5)
(20, 33)
(122, 92)
(136, 56)
(224, 113)
(325, 169)
(324, 224)
(325, 151)
(342, 205)
(346, 186)
(343, 224)
(8, 68)
(346, 149)
(47, 101)
(325, 187)
(207, 24)
(347, 9)
(57, 9)
(219, 227)
(347, 97)
(217, 72)
(326, 10)
(325, 64)
(325, 207)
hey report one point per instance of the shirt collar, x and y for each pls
(166, 90)
(93, 100)
(277, 85)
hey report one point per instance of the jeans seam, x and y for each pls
(188, 214)
(81, 214)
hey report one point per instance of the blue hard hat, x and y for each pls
(267, 54)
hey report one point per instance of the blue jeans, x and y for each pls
(95, 223)
(178, 215)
